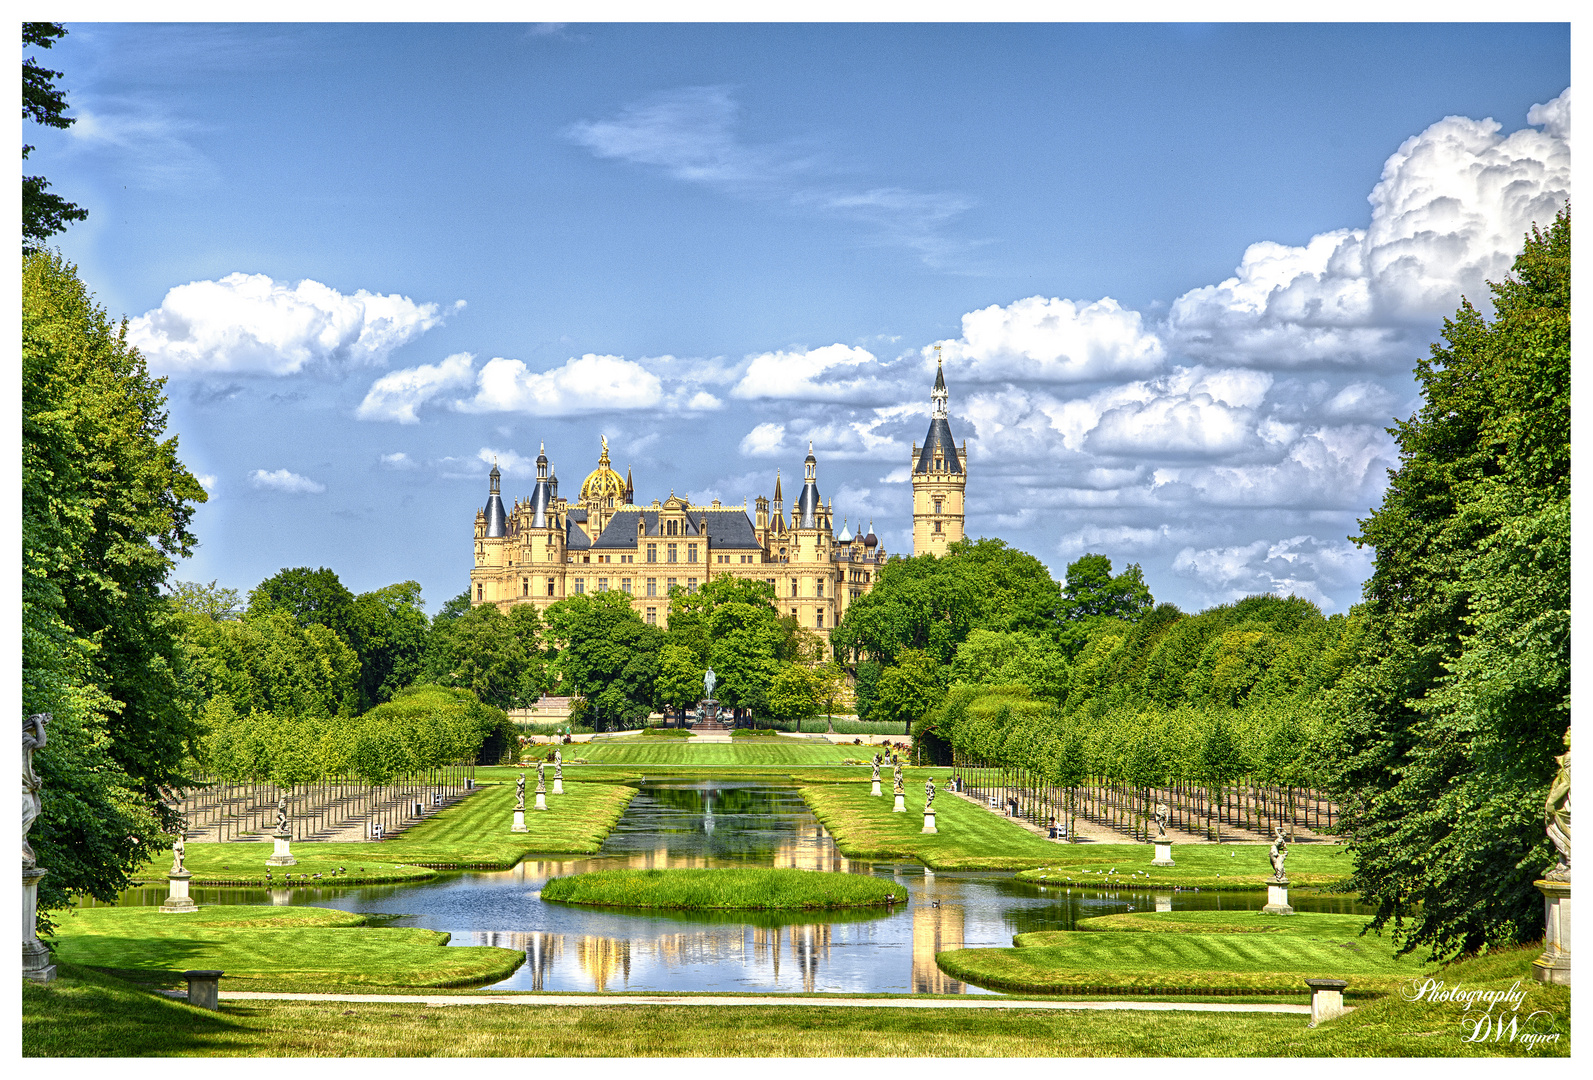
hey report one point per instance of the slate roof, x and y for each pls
(939, 435)
(726, 528)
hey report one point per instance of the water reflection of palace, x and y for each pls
(935, 929)
(810, 944)
(541, 950)
(808, 851)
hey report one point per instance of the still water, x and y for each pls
(733, 823)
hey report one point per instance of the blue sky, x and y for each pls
(1180, 274)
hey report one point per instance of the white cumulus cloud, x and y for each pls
(396, 396)
(1300, 565)
(1448, 214)
(283, 480)
(253, 324)
(765, 440)
(831, 373)
(584, 384)
(1055, 340)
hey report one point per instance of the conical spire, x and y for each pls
(630, 488)
(496, 518)
(938, 397)
(777, 499)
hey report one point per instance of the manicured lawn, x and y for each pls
(758, 752)
(1309, 924)
(1209, 867)
(473, 833)
(272, 947)
(753, 888)
(1195, 952)
(244, 863)
(969, 837)
(86, 1014)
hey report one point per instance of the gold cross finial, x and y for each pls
(937, 354)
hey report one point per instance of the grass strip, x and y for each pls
(87, 1014)
(1207, 867)
(1305, 923)
(747, 888)
(783, 753)
(1137, 963)
(268, 947)
(968, 837)
(471, 834)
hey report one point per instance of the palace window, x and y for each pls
(602, 584)
(625, 585)
(937, 526)
(819, 616)
(652, 586)
(479, 591)
(652, 552)
(652, 616)
(793, 586)
(580, 586)
(937, 506)
(820, 584)
(669, 586)
(525, 586)
(691, 584)
(627, 558)
(550, 586)
(673, 551)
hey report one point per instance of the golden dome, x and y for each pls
(603, 482)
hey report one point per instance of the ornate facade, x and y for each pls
(940, 479)
(544, 547)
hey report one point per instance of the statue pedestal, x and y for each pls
(1164, 901)
(282, 856)
(875, 789)
(519, 822)
(929, 822)
(204, 989)
(1327, 999)
(558, 785)
(901, 805)
(542, 800)
(1164, 853)
(1554, 966)
(35, 957)
(1278, 898)
(177, 901)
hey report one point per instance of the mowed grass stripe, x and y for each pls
(1213, 867)
(759, 752)
(268, 947)
(969, 837)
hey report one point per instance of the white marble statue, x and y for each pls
(1161, 814)
(32, 802)
(282, 814)
(1277, 853)
(519, 793)
(178, 849)
(709, 681)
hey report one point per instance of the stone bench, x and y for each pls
(204, 989)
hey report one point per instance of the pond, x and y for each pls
(733, 823)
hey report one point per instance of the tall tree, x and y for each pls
(607, 656)
(312, 597)
(1452, 726)
(43, 213)
(390, 631)
(496, 656)
(106, 506)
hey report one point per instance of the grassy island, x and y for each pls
(1208, 867)
(746, 889)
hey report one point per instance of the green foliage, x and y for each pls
(607, 656)
(391, 632)
(43, 214)
(931, 604)
(731, 625)
(680, 676)
(269, 662)
(1453, 723)
(1092, 592)
(497, 657)
(794, 694)
(311, 597)
(105, 511)
(908, 689)
(194, 598)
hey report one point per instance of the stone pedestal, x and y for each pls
(542, 800)
(901, 805)
(1164, 853)
(519, 822)
(204, 989)
(875, 789)
(558, 785)
(1554, 966)
(929, 822)
(35, 957)
(1278, 898)
(1327, 999)
(282, 897)
(282, 856)
(177, 900)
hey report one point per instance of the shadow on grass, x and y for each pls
(84, 1013)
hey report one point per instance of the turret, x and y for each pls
(939, 477)
(808, 507)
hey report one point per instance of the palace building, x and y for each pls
(544, 547)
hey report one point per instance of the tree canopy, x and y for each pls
(1453, 723)
(44, 213)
